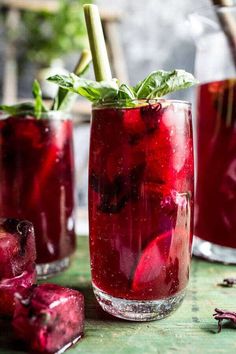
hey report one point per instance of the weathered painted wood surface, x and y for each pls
(191, 329)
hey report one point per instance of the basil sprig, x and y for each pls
(155, 85)
(62, 101)
(34, 108)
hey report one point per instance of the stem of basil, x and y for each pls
(101, 64)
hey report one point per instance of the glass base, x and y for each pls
(136, 310)
(47, 270)
(213, 252)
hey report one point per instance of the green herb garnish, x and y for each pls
(18, 109)
(160, 83)
(65, 98)
(106, 89)
(34, 108)
(156, 85)
(62, 101)
(92, 90)
(38, 100)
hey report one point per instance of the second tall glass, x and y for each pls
(37, 182)
(141, 206)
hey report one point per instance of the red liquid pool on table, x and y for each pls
(215, 210)
(37, 179)
(141, 200)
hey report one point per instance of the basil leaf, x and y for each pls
(18, 109)
(160, 83)
(63, 96)
(63, 99)
(126, 92)
(64, 81)
(92, 90)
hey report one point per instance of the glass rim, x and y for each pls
(150, 101)
(51, 114)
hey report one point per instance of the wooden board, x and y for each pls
(53, 6)
(191, 329)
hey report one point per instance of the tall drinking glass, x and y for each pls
(37, 182)
(141, 206)
(215, 67)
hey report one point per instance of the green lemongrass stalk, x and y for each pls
(63, 97)
(98, 49)
(83, 62)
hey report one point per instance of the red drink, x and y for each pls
(140, 207)
(36, 183)
(216, 179)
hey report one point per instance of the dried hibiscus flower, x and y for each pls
(221, 315)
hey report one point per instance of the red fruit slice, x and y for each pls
(152, 260)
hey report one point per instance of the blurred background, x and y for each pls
(39, 38)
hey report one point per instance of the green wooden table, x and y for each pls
(191, 329)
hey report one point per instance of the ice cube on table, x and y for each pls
(49, 318)
(17, 247)
(8, 288)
